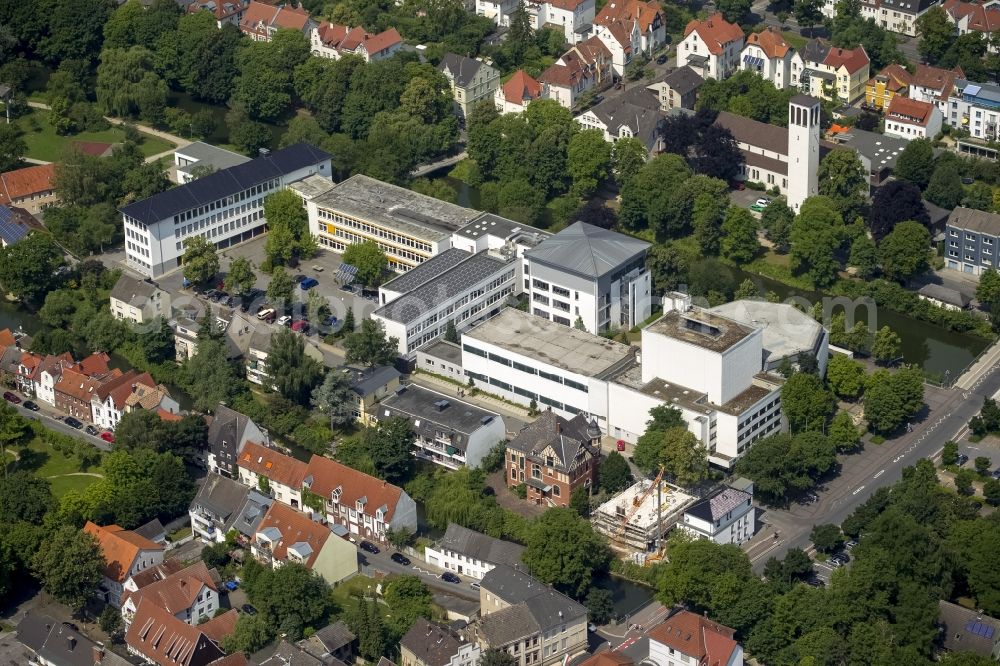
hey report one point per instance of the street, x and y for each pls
(52, 419)
(370, 564)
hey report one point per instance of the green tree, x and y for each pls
(579, 501)
(251, 634)
(563, 550)
(991, 492)
(600, 606)
(649, 447)
(240, 279)
(23, 496)
(842, 178)
(845, 376)
(450, 333)
(389, 445)
(816, 232)
(739, 236)
(806, 402)
(949, 454)
(747, 290)
(366, 623)
(335, 398)
(864, 257)
(734, 11)
(982, 465)
(963, 481)
(777, 221)
(588, 160)
(70, 566)
(110, 619)
(785, 464)
(408, 598)
(290, 598)
(890, 399)
(827, 538)
(279, 289)
(945, 186)
(293, 373)
(209, 376)
(369, 345)
(200, 260)
(937, 33)
(988, 289)
(288, 226)
(904, 252)
(370, 261)
(843, 433)
(808, 12)
(246, 134)
(668, 267)
(887, 345)
(615, 475)
(12, 146)
(916, 163)
(128, 85)
(27, 269)
(628, 155)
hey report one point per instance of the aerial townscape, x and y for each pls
(500, 332)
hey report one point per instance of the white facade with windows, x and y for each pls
(727, 516)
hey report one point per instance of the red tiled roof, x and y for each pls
(95, 364)
(168, 641)
(715, 31)
(912, 111)
(222, 9)
(896, 76)
(220, 626)
(382, 41)
(294, 18)
(178, 591)
(294, 527)
(6, 338)
(353, 39)
(567, 5)
(980, 18)
(607, 658)
(693, 635)
(521, 88)
(276, 466)
(770, 42)
(168, 416)
(629, 10)
(328, 475)
(935, 78)
(120, 548)
(851, 59)
(22, 183)
(277, 17)
(77, 385)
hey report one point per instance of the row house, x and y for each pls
(912, 119)
(586, 66)
(520, 90)
(261, 21)
(284, 535)
(833, 73)
(899, 16)
(273, 473)
(554, 456)
(880, 90)
(191, 594)
(969, 17)
(934, 84)
(75, 391)
(223, 506)
(630, 27)
(109, 401)
(711, 47)
(226, 12)
(126, 553)
(228, 431)
(772, 58)
(330, 40)
(471, 553)
(157, 637)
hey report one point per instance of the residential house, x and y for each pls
(153, 399)
(969, 17)
(257, 350)
(834, 73)
(647, 17)
(893, 80)
(272, 472)
(159, 638)
(125, 554)
(935, 85)
(966, 630)
(358, 504)
(554, 456)
(228, 431)
(520, 90)
(447, 432)
(237, 332)
(223, 505)
(472, 81)
(330, 40)
(428, 644)
(498, 10)
(769, 55)
(608, 658)
(287, 654)
(725, 516)
(636, 113)
(688, 638)
(285, 535)
(586, 66)
(108, 401)
(75, 392)
(528, 620)
(972, 241)
(571, 17)
(944, 297)
(677, 89)
(261, 20)
(899, 16)
(622, 38)
(471, 553)
(30, 188)
(333, 642)
(190, 594)
(50, 642)
(912, 119)
(227, 12)
(139, 301)
(711, 47)
(370, 385)
(975, 108)
(15, 224)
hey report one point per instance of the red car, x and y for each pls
(107, 437)
(621, 445)
(300, 326)
(11, 398)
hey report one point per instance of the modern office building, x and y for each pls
(589, 275)
(225, 208)
(788, 332)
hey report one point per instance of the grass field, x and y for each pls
(60, 470)
(63, 484)
(44, 144)
(346, 594)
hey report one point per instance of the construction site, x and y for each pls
(637, 518)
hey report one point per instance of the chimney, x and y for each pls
(558, 426)
(98, 654)
(134, 386)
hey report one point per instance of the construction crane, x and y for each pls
(636, 504)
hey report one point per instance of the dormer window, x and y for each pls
(335, 495)
(360, 504)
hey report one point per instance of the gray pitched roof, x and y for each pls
(587, 250)
(58, 643)
(546, 607)
(814, 51)
(432, 644)
(250, 514)
(462, 69)
(944, 294)
(716, 506)
(287, 654)
(132, 291)
(507, 625)
(367, 380)
(566, 437)
(975, 220)
(638, 109)
(430, 413)
(227, 425)
(683, 80)
(482, 547)
(967, 630)
(335, 636)
(221, 496)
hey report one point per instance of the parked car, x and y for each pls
(28, 404)
(73, 423)
(265, 313)
(662, 59)
(11, 398)
(318, 269)
(248, 609)
(399, 558)
(839, 559)
(474, 585)
(369, 547)
(231, 585)
(962, 459)
(620, 445)
(348, 288)
(108, 437)
(230, 302)
(996, 472)
(815, 581)
(449, 577)
(330, 321)
(850, 544)
(218, 296)
(301, 326)
(284, 320)
(763, 202)
(298, 279)
(91, 430)
(308, 284)
(209, 293)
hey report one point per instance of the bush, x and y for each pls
(521, 490)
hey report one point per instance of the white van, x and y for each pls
(265, 314)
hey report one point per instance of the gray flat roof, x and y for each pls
(548, 342)
(501, 227)
(701, 328)
(472, 270)
(206, 154)
(786, 329)
(587, 250)
(391, 206)
(672, 394)
(881, 150)
(417, 402)
(444, 350)
(311, 186)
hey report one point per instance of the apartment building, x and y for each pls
(711, 47)
(972, 240)
(677, 89)
(447, 432)
(636, 113)
(974, 107)
(772, 58)
(833, 73)
(228, 432)
(225, 208)
(330, 40)
(471, 553)
(223, 505)
(138, 301)
(571, 17)
(472, 81)
(190, 593)
(912, 119)
(725, 516)
(894, 80)
(125, 554)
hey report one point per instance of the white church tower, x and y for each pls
(803, 149)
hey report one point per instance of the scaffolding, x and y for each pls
(636, 519)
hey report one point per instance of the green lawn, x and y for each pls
(794, 39)
(346, 594)
(63, 484)
(47, 463)
(45, 144)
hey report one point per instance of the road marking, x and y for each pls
(880, 473)
(768, 550)
(858, 490)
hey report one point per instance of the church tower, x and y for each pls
(803, 149)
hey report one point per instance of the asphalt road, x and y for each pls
(370, 564)
(52, 421)
(946, 418)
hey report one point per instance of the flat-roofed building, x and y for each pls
(447, 432)
(526, 358)
(199, 159)
(787, 331)
(224, 208)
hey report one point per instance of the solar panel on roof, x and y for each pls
(980, 629)
(11, 230)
